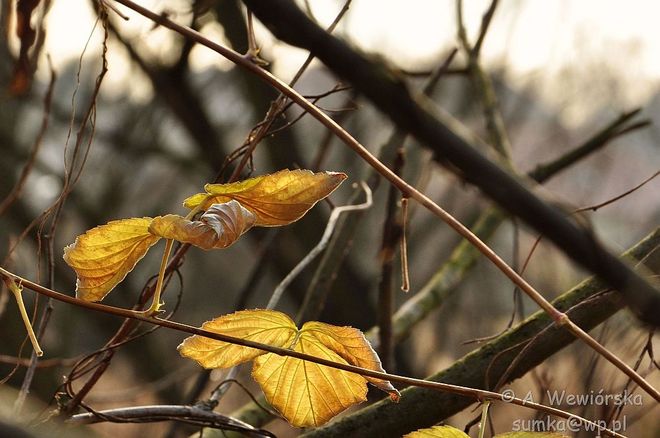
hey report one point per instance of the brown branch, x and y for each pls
(195, 415)
(472, 393)
(48, 363)
(618, 197)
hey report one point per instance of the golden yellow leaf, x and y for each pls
(305, 393)
(104, 255)
(437, 432)
(264, 326)
(353, 347)
(277, 199)
(219, 227)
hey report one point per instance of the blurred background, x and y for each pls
(168, 114)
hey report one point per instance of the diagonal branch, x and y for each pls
(445, 281)
(477, 394)
(389, 94)
(586, 304)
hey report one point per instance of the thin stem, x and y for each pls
(483, 84)
(16, 191)
(280, 104)
(16, 289)
(253, 47)
(484, 419)
(616, 198)
(478, 394)
(405, 272)
(155, 301)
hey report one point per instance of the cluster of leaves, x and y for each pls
(104, 255)
(305, 393)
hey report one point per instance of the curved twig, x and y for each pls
(325, 238)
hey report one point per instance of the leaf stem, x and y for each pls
(155, 306)
(16, 289)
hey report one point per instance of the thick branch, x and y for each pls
(390, 95)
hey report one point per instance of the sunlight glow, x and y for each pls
(538, 41)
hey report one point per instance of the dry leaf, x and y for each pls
(305, 393)
(219, 227)
(267, 327)
(353, 347)
(276, 199)
(104, 255)
(437, 432)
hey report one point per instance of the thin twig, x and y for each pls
(483, 84)
(616, 198)
(329, 228)
(17, 290)
(485, 24)
(48, 363)
(277, 106)
(222, 389)
(613, 130)
(245, 389)
(405, 272)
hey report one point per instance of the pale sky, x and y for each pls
(537, 39)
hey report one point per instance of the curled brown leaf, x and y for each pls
(219, 227)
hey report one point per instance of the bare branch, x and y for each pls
(434, 386)
(185, 414)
